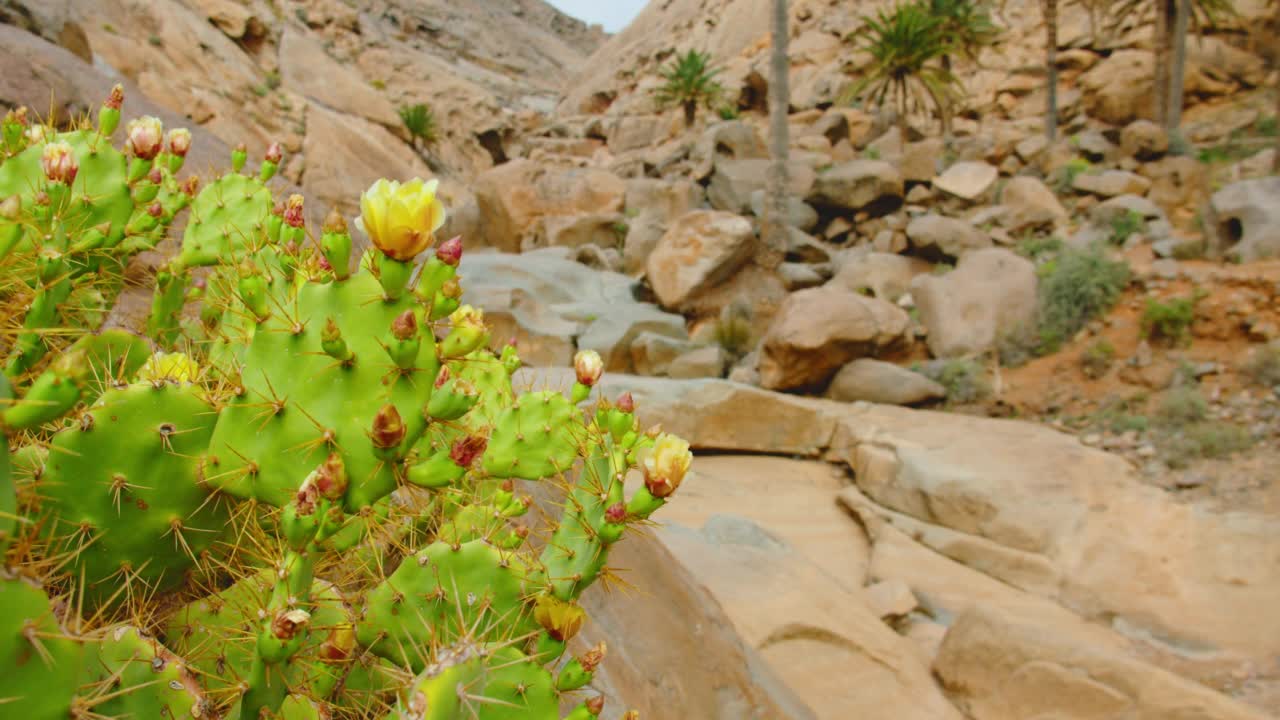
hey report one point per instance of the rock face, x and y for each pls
(820, 329)
(945, 236)
(991, 293)
(347, 154)
(307, 70)
(857, 184)
(1246, 219)
(702, 249)
(513, 196)
(881, 382)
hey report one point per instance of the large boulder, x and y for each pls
(857, 184)
(820, 329)
(734, 181)
(882, 275)
(731, 140)
(604, 230)
(1246, 219)
(1112, 183)
(967, 179)
(934, 234)
(514, 195)
(1028, 204)
(874, 381)
(1118, 89)
(701, 249)
(651, 205)
(991, 293)
(1144, 140)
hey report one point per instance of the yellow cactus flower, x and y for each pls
(560, 619)
(401, 220)
(666, 465)
(169, 367)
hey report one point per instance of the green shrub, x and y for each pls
(1125, 225)
(1075, 287)
(272, 80)
(1065, 176)
(727, 112)
(1263, 365)
(1208, 439)
(1268, 126)
(1182, 406)
(420, 122)
(733, 331)
(1169, 321)
(1036, 247)
(965, 380)
(1097, 359)
(871, 153)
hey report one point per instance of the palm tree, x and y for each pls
(1051, 67)
(967, 26)
(690, 81)
(1275, 160)
(903, 44)
(774, 230)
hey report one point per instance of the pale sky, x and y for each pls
(612, 14)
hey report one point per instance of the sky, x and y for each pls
(612, 14)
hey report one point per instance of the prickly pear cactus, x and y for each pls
(321, 508)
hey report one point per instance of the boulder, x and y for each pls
(919, 160)
(604, 230)
(653, 352)
(1029, 204)
(882, 275)
(667, 199)
(643, 234)
(1144, 140)
(705, 362)
(635, 132)
(732, 140)
(820, 329)
(969, 180)
(514, 195)
(1177, 182)
(857, 184)
(307, 70)
(701, 249)
(967, 311)
(1111, 183)
(800, 214)
(881, 382)
(1003, 668)
(1246, 219)
(1030, 148)
(1107, 212)
(938, 235)
(1118, 89)
(734, 181)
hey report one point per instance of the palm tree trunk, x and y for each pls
(1275, 161)
(690, 112)
(1166, 11)
(1177, 78)
(1051, 68)
(944, 108)
(774, 228)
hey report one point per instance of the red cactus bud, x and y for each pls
(334, 222)
(443, 376)
(59, 163)
(18, 116)
(323, 262)
(155, 210)
(116, 99)
(155, 176)
(466, 450)
(191, 186)
(626, 403)
(591, 659)
(307, 498)
(616, 514)
(450, 251)
(287, 623)
(331, 477)
(146, 137)
(595, 705)
(293, 211)
(339, 645)
(41, 198)
(508, 485)
(405, 326)
(388, 428)
(291, 248)
(589, 367)
(275, 153)
(199, 283)
(180, 141)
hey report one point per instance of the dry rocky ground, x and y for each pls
(1087, 533)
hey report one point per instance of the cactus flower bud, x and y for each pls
(665, 467)
(155, 177)
(11, 207)
(115, 100)
(275, 153)
(626, 403)
(17, 116)
(180, 141)
(287, 623)
(615, 514)
(593, 657)
(405, 326)
(339, 645)
(333, 222)
(450, 251)
(155, 210)
(588, 366)
(451, 289)
(560, 619)
(388, 428)
(36, 134)
(400, 219)
(293, 211)
(443, 376)
(59, 163)
(169, 367)
(331, 477)
(595, 705)
(146, 137)
(465, 451)
(239, 155)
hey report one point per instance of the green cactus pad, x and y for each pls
(41, 668)
(443, 593)
(227, 221)
(537, 437)
(480, 682)
(8, 494)
(124, 488)
(130, 675)
(577, 552)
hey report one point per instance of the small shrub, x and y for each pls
(1075, 287)
(272, 80)
(1263, 365)
(259, 90)
(1119, 416)
(1268, 126)
(155, 41)
(727, 112)
(378, 84)
(420, 122)
(1207, 439)
(871, 153)
(733, 330)
(1065, 176)
(620, 230)
(1018, 347)
(1125, 226)
(1097, 359)
(1035, 247)
(1182, 406)
(1169, 321)
(965, 380)
(689, 81)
